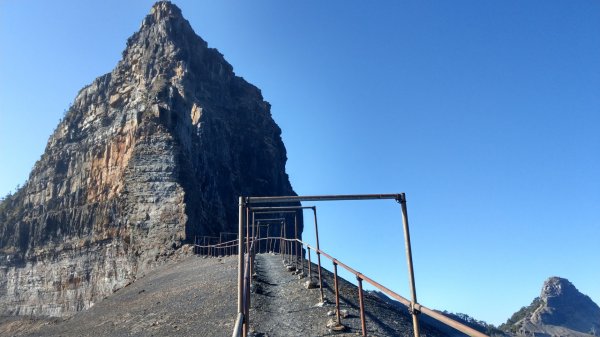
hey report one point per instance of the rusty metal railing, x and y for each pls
(217, 249)
(411, 306)
(245, 264)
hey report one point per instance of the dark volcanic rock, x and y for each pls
(560, 310)
(147, 157)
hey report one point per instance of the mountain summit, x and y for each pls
(560, 310)
(146, 158)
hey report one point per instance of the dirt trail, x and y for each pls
(283, 307)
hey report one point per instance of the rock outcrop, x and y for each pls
(147, 157)
(561, 310)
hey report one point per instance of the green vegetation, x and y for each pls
(481, 326)
(511, 323)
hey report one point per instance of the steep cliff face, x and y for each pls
(148, 156)
(561, 310)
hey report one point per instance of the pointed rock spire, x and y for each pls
(148, 157)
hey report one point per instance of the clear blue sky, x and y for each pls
(486, 113)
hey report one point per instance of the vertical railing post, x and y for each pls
(337, 294)
(301, 259)
(281, 242)
(240, 305)
(251, 253)
(318, 255)
(247, 230)
(411, 275)
(260, 245)
(361, 303)
(285, 243)
(247, 293)
(295, 243)
(309, 265)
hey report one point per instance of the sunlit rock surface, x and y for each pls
(147, 157)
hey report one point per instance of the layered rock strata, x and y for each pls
(147, 157)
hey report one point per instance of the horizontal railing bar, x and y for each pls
(256, 200)
(218, 245)
(280, 207)
(431, 313)
(416, 306)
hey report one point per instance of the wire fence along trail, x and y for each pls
(293, 251)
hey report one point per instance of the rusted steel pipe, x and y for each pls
(255, 200)
(247, 280)
(337, 294)
(251, 253)
(309, 265)
(271, 220)
(247, 295)
(301, 260)
(260, 225)
(413, 305)
(361, 303)
(411, 275)
(318, 251)
(227, 248)
(279, 208)
(407, 303)
(281, 245)
(295, 244)
(247, 230)
(285, 245)
(272, 245)
(237, 328)
(242, 204)
(285, 209)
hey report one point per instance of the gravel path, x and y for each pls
(283, 307)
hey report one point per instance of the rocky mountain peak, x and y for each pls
(559, 310)
(148, 157)
(165, 47)
(167, 19)
(163, 9)
(556, 287)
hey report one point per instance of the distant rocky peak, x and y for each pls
(561, 310)
(170, 20)
(163, 35)
(557, 286)
(164, 12)
(163, 9)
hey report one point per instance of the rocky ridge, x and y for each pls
(147, 157)
(560, 310)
